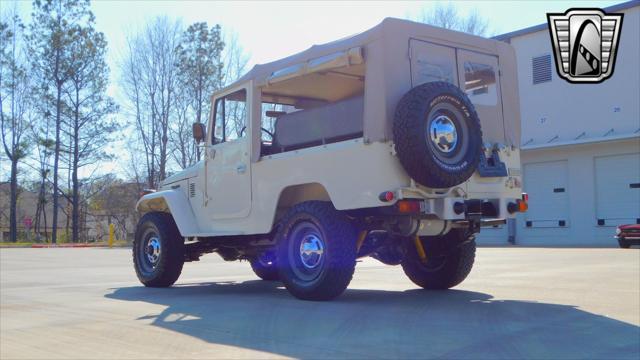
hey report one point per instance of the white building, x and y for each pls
(580, 144)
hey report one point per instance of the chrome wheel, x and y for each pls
(311, 250)
(152, 250)
(307, 251)
(443, 134)
(149, 251)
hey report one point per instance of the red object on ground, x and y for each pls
(78, 245)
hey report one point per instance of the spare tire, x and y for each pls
(437, 135)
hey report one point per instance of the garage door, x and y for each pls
(546, 184)
(494, 235)
(617, 189)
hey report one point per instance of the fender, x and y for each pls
(172, 202)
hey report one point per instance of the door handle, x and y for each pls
(241, 169)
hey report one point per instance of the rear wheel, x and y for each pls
(264, 266)
(446, 262)
(316, 253)
(158, 250)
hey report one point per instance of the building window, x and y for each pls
(541, 69)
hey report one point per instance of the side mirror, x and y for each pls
(199, 132)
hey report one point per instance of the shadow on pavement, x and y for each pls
(262, 316)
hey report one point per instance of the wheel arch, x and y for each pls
(173, 203)
(295, 194)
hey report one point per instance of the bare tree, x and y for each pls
(114, 201)
(51, 33)
(14, 108)
(183, 148)
(149, 83)
(235, 60)
(89, 127)
(199, 62)
(234, 57)
(448, 17)
(200, 73)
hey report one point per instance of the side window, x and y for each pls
(480, 83)
(270, 113)
(230, 117)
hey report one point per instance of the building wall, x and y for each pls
(572, 136)
(563, 111)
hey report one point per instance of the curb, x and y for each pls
(65, 246)
(41, 246)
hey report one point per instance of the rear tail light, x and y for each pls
(521, 205)
(386, 196)
(408, 206)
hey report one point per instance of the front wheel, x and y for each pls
(158, 250)
(264, 266)
(443, 262)
(316, 253)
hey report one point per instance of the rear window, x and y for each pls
(480, 83)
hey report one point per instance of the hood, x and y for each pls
(187, 173)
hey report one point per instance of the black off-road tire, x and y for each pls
(171, 257)
(419, 157)
(267, 272)
(623, 243)
(449, 260)
(336, 268)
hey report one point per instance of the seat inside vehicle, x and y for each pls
(338, 121)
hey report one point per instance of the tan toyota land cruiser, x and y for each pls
(398, 143)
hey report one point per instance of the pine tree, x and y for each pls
(52, 31)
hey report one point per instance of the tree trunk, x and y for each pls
(13, 212)
(56, 158)
(74, 181)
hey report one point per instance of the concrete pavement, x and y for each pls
(517, 303)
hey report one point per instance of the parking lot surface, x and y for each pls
(517, 302)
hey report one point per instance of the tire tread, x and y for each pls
(170, 267)
(409, 139)
(341, 264)
(460, 260)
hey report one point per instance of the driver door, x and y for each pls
(228, 169)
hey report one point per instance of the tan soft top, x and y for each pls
(388, 28)
(376, 63)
